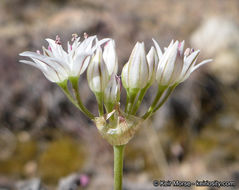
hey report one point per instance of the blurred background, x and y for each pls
(46, 143)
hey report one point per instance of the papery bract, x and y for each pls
(120, 130)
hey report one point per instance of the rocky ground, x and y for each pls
(194, 136)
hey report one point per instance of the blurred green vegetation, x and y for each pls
(61, 158)
(50, 160)
(24, 152)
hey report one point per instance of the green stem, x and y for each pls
(127, 102)
(160, 92)
(74, 82)
(99, 98)
(140, 98)
(118, 166)
(170, 90)
(131, 95)
(68, 94)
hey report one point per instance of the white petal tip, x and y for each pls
(25, 53)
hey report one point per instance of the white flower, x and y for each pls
(110, 57)
(57, 64)
(175, 66)
(135, 73)
(97, 72)
(152, 59)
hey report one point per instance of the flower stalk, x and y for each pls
(63, 86)
(74, 81)
(100, 100)
(159, 94)
(168, 93)
(140, 99)
(118, 166)
(130, 100)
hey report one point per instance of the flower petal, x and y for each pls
(110, 57)
(159, 51)
(201, 63)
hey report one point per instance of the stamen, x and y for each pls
(74, 36)
(192, 50)
(106, 43)
(187, 52)
(58, 40)
(179, 52)
(49, 48)
(85, 35)
(179, 45)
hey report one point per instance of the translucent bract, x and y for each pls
(118, 127)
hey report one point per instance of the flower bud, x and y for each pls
(110, 57)
(152, 59)
(97, 73)
(112, 93)
(135, 73)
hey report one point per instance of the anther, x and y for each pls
(74, 36)
(187, 52)
(49, 48)
(85, 35)
(58, 40)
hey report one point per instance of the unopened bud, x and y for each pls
(135, 73)
(97, 73)
(112, 93)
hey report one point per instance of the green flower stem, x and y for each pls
(99, 98)
(170, 90)
(160, 92)
(127, 102)
(140, 98)
(109, 106)
(130, 100)
(68, 94)
(118, 166)
(74, 82)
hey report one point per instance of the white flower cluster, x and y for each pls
(169, 67)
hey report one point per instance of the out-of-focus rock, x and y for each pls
(74, 20)
(33, 184)
(7, 143)
(215, 35)
(226, 66)
(30, 168)
(73, 182)
(218, 38)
